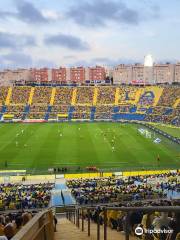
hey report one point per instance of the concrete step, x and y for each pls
(68, 231)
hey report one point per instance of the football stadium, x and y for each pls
(89, 120)
(98, 155)
(97, 125)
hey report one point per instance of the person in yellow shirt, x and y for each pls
(113, 217)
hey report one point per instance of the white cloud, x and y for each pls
(51, 15)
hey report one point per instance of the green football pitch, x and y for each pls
(108, 146)
(174, 131)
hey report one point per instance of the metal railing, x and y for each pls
(77, 217)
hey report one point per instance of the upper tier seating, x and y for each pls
(20, 95)
(106, 95)
(3, 95)
(169, 96)
(63, 96)
(152, 103)
(42, 95)
(85, 95)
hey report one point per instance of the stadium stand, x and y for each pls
(40, 102)
(169, 96)
(107, 190)
(20, 95)
(12, 223)
(85, 96)
(104, 112)
(114, 206)
(148, 103)
(3, 95)
(16, 110)
(63, 96)
(81, 112)
(129, 95)
(116, 219)
(62, 110)
(14, 196)
(20, 203)
(106, 95)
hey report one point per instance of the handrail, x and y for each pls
(128, 209)
(39, 227)
(78, 214)
(109, 204)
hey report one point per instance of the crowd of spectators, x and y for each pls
(11, 223)
(104, 112)
(20, 95)
(58, 109)
(159, 110)
(14, 196)
(37, 111)
(116, 219)
(81, 112)
(42, 95)
(160, 114)
(125, 108)
(63, 96)
(85, 95)
(106, 95)
(169, 96)
(107, 190)
(16, 110)
(128, 96)
(146, 100)
(3, 95)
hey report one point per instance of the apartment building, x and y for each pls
(59, 75)
(163, 73)
(11, 77)
(140, 74)
(77, 75)
(122, 74)
(95, 74)
(177, 73)
(42, 75)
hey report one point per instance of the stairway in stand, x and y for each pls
(68, 231)
(8, 98)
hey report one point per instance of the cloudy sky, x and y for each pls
(87, 32)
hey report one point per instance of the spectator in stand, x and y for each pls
(15, 196)
(11, 223)
(3, 95)
(106, 190)
(106, 95)
(169, 96)
(85, 95)
(20, 95)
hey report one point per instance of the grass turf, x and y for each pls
(173, 131)
(37, 147)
